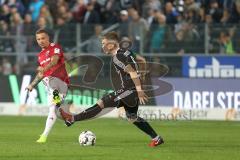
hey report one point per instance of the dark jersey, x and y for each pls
(120, 61)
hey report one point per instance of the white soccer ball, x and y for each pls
(87, 138)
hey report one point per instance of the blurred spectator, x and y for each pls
(4, 29)
(45, 13)
(149, 6)
(18, 5)
(188, 17)
(61, 3)
(136, 4)
(16, 24)
(41, 23)
(228, 4)
(138, 28)
(111, 11)
(13, 10)
(225, 17)
(64, 13)
(79, 10)
(131, 12)
(158, 34)
(65, 34)
(235, 13)
(60, 22)
(91, 16)
(97, 6)
(226, 45)
(180, 44)
(171, 13)
(6, 45)
(126, 3)
(188, 38)
(192, 38)
(29, 32)
(150, 16)
(179, 35)
(191, 16)
(5, 13)
(34, 8)
(29, 27)
(6, 67)
(153, 23)
(191, 5)
(94, 46)
(180, 22)
(123, 24)
(215, 11)
(20, 43)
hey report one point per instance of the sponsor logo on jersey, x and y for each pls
(56, 50)
(47, 53)
(45, 61)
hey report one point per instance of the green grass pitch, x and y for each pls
(119, 140)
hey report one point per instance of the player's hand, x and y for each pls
(143, 98)
(29, 88)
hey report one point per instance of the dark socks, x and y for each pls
(88, 113)
(145, 127)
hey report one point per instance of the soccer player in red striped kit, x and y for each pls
(52, 72)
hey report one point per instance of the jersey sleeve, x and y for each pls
(56, 50)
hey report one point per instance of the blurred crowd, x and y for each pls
(154, 26)
(157, 24)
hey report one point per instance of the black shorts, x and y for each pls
(123, 98)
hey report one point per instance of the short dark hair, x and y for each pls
(41, 30)
(111, 36)
(225, 33)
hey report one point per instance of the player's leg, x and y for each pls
(131, 108)
(146, 128)
(90, 112)
(86, 114)
(49, 124)
(57, 89)
(106, 102)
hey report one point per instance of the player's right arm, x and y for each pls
(127, 67)
(143, 98)
(36, 80)
(53, 62)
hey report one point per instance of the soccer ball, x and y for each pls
(87, 138)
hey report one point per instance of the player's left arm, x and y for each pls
(143, 98)
(142, 63)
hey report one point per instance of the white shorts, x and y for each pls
(52, 83)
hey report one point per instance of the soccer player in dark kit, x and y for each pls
(129, 95)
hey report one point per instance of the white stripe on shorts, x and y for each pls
(123, 95)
